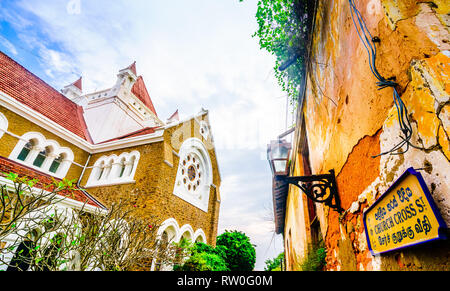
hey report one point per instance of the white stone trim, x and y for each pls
(106, 170)
(41, 144)
(176, 233)
(201, 113)
(199, 234)
(186, 229)
(200, 198)
(204, 130)
(3, 124)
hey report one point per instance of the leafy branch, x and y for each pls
(283, 31)
(39, 233)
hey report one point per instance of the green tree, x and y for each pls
(275, 264)
(239, 253)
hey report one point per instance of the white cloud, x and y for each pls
(56, 62)
(8, 45)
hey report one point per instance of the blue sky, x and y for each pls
(192, 54)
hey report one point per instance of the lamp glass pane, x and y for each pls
(280, 166)
(279, 152)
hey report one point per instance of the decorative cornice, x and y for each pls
(48, 124)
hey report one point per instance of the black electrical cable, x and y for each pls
(402, 112)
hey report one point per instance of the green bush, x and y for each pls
(233, 252)
(315, 259)
(203, 257)
(203, 262)
(239, 253)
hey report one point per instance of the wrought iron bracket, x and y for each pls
(319, 188)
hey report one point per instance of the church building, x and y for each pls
(113, 144)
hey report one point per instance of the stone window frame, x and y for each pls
(200, 197)
(204, 130)
(3, 124)
(54, 151)
(114, 170)
(178, 232)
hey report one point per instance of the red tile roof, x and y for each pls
(133, 68)
(140, 91)
(9, 166)
(79, 83)
(174, 117)
(30, 90)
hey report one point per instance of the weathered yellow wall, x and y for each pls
(296, 240)
(349, 120)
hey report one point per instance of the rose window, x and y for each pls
(192, 171)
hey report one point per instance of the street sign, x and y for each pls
(404, 216)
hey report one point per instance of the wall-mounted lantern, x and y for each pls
(319, 188)
(278, 153)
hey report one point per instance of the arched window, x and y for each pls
(122, 168)
(106, 171)
(39, 160)
(168, 233)
(200, 236)
(101, 170)
(113, 170)
(187, 233)
(194, 175)
(204, 130)
(57, 163)
(35, 151)
(131, 163)
(26, 150)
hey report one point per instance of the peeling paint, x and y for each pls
(397, 10)
(349, 121)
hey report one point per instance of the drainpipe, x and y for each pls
(84, 169)
(84, 191)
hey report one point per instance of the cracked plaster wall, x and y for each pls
(348, 120)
